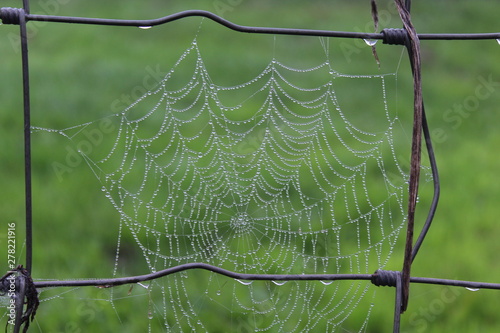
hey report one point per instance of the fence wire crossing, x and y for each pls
(26, 289)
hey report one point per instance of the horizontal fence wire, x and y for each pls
(11, 16)
(379, 278)
(27, 288)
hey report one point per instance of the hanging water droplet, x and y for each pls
(472, 289)
(150, 315)
(279, 283)
(218, 293)
(246, 283)
(370, 42)
(145, 27)
(326, 283)
(498, 41)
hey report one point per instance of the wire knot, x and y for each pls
(395, 36)
(18, 285)
(385, 278)
(10, 15)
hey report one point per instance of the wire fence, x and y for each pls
(26, 299)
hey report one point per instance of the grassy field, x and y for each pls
(84, 73)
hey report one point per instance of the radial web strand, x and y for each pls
(270, 176)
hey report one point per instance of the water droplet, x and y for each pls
(218, 293)
(150, 315)
(472, 289)
(145, 27)
(326, 283)
(370, 42)
(498, 40)
(279, 283)
(246, 283)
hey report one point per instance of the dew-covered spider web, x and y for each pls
(279, 174)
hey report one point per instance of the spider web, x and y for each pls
(269, 176)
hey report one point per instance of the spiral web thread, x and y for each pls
(265, 177)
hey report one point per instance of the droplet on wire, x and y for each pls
(145, 27)
(279, 283)
(246, 283)
(472, 289)
(498, 41)
(326, 282)
(370, 42)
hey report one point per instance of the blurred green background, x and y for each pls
(78, 71)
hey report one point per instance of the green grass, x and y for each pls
(77, 73)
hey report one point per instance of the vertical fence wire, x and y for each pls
(27, 139)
